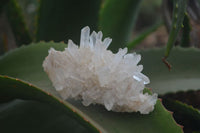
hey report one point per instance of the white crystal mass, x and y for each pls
(98, 76)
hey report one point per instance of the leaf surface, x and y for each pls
(184, 114)
(179, 10)
(26, 63)
(184, 74)
(37, 111)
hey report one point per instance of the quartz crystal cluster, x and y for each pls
(98, 76)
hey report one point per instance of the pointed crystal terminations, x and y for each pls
(97, 76)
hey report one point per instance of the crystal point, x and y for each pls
(98, 76)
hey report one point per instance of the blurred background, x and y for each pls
(25, 21)
(142, 25)
(60, 21)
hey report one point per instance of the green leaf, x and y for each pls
(138, 39)
(117, 19)
(38, 112)
(184, 74)
(35, 117)
(62, 20)
(189, 97)
(183, 105)
(160, 120)
(179, 9)
(185, 38)
(186, 115)
(28, 64)
(17, 22)
(29, 68)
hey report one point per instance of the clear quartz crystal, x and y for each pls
(141, 78)
(98, 76)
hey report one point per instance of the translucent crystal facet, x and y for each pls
(98, 76)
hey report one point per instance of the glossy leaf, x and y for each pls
(160, 120)
(184, 74)
(28, 65)
(182, 77)
(157, 121)
(39, 111)
(184, 114)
